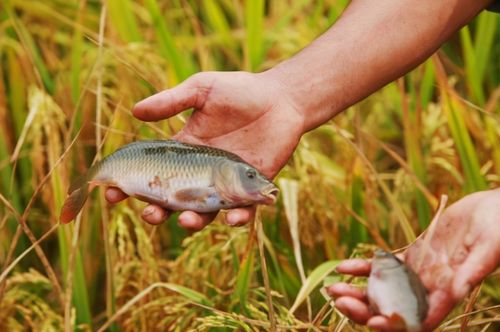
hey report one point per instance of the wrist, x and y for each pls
(296, 91)
(285, 99)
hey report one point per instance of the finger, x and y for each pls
(154, 214)
(240, 216)
(195, 221)
(343, 289)
(380, 323)
(355, 309)
(355, 267)
(480, 262)
(192, 92)
(114, 195)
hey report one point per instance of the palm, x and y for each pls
(463, 250)
(244, 114)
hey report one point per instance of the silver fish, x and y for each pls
(395, 291)
(176, 176)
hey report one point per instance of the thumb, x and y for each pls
(481, 261)
(193, 92)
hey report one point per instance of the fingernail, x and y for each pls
(231, 220)
(231, 223)
(147, 211)
(462, 291)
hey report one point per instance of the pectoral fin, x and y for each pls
(151, 199)
(192, 195)
(397, 321)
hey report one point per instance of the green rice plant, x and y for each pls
(358, 230)
(477, 53)
(454, 111)
(218, 21)
(369, 177)
(246, 269)
(412, 114)
(30, 45)
(181, 65)
(24, 305)
(254, 14)
(47, 125)
(11, 126)
(313, 280)
(123, 19)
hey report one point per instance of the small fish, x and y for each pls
(395, 291)
(176, 176)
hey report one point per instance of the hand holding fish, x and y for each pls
(464, 249)
(261, 117)
(247, 114)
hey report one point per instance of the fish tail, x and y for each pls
(78, 193)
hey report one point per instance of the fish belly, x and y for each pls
(393, 296)
(171, 193)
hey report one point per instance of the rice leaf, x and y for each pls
(123, 19)
(313, 280)
(254, 23)
(181, 65)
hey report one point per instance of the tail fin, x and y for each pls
(78, 193)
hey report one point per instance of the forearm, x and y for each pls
(373, 43)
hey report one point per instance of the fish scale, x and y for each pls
(175, 175)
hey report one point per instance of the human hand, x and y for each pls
(244, 113)
(464, 249)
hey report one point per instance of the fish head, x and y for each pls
(240, 182)
(384, 260)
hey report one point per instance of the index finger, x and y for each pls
(356, 267)
(114, 195)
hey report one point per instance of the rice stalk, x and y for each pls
(181, 66)
(77, 54)
(8, 269)
(123, 19)
(289, 190)
(190, 294)
(254, 18)
(46, 125)
(477, 53)
(246, 268)
(403, 220)
(31, 49)
(43, 258)
(265, 274)
(110, 290)
(412, 122)
(24, 305)
(454, 111)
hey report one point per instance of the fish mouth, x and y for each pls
(270, 192)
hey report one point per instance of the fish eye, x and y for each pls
(250, 173)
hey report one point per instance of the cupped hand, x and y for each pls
(244, 113)
(463, 250)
